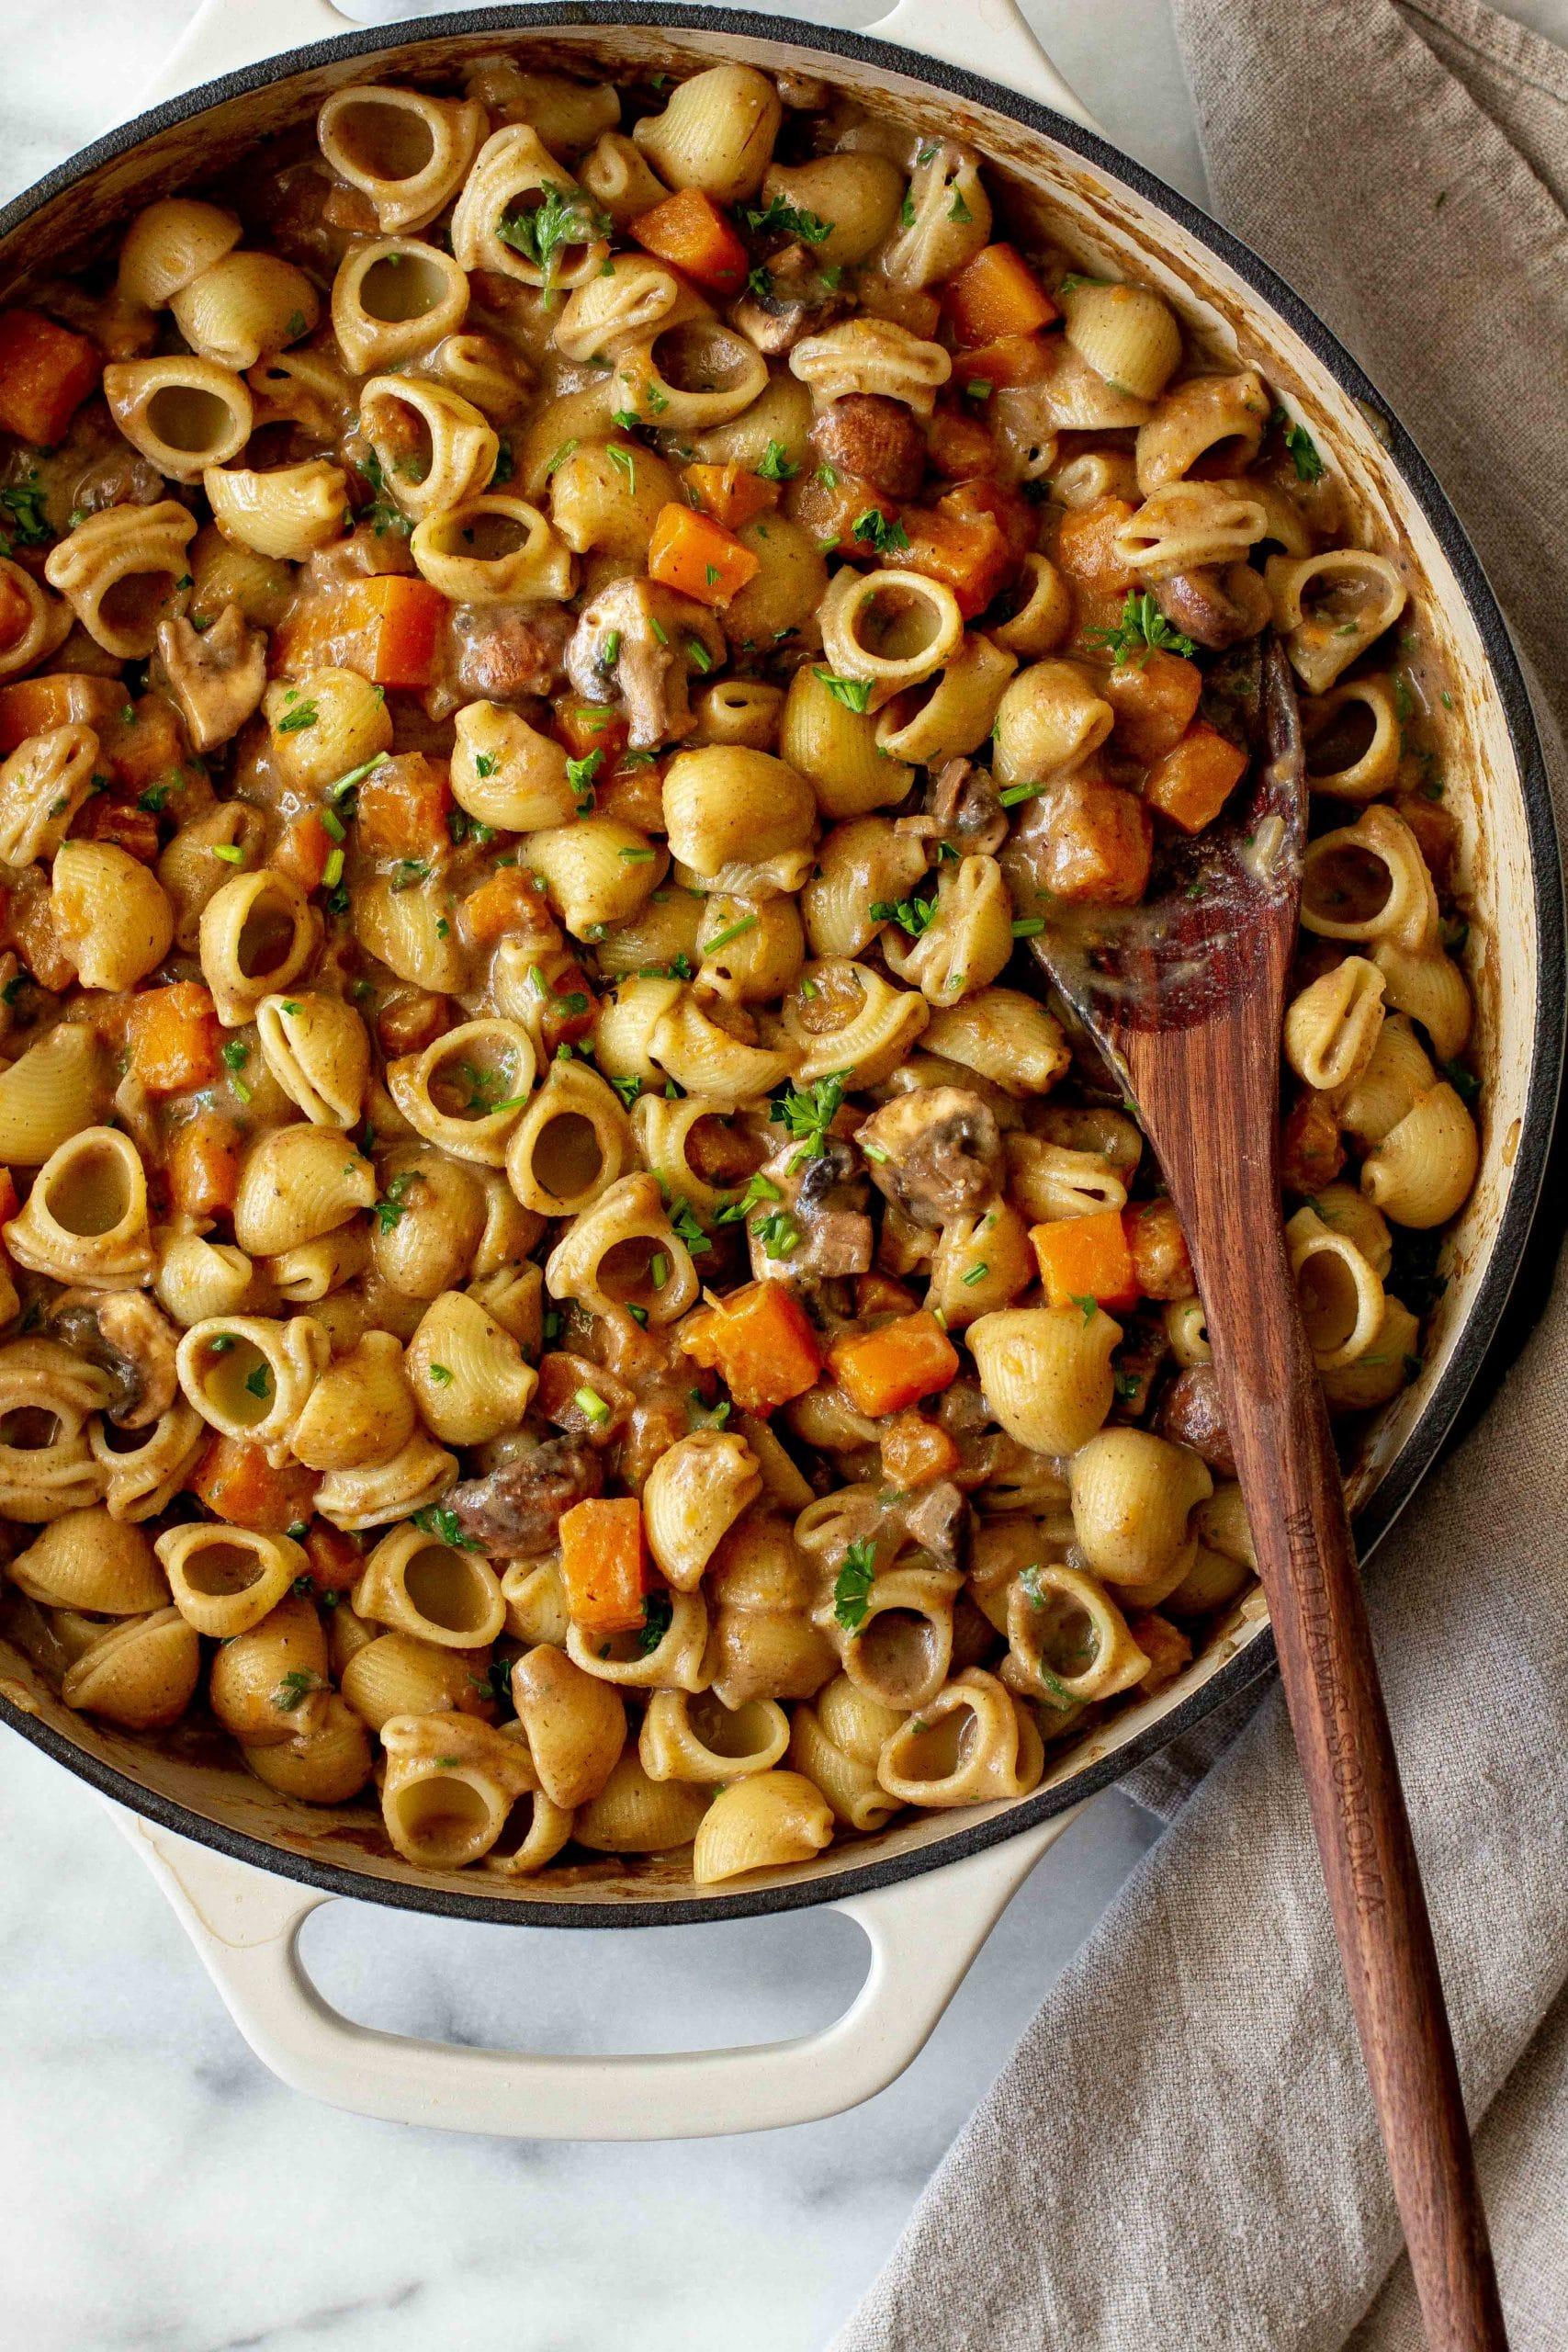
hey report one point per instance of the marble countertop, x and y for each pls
(163, 2193)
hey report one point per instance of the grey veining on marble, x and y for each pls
(161, 2191)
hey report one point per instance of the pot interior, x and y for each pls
(1513, 961)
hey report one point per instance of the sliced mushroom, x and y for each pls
(507, 653)
(936, 1153)
(961, 806)
(877, 438)
(1214, 609)
(515, 1510)
(938, 1520)
(218, 678)
(783, 301)
(128, 1335)
(822, 1203)
(641, 636)
(1191, 1414)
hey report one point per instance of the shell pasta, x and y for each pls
(562, 1282)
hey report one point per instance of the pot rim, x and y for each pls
(1467, 1365)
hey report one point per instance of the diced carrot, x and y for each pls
(589, 727)
(1011, 359)
(879, 1296)
(894, 1366)
(570, 1008)
(388, 628)
(1084, 552)
(65, 698)
(1086, 1259)
(15, 612)
(831, 510)
(1165, 1645)
(147, 746)
(968, 553)
(915, 1451)
(689, 231)
(733, 496)
(303, 852)
(1312, 1150)
(634, 794)
(762, 1342)
(1192, 782)
(404, 617)
(960, 446)
(409, 1019)
(34, 931)
(10, 1200)
(996, 294)
(696, 556)
(997, 502)
(605, 1566)
(204, 1165)
(403, 806)
(509, 901)
(236, 1482)
(122, 823)
(1155, 700)
(336, 1559)
(46, 372)
(1096, 845)
(1158, 1250)
(174, 1039)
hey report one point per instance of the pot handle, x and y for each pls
(992, 37)
(923, 1933)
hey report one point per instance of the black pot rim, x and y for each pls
(1464, 1368)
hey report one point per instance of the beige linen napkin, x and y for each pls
(1181, 2154)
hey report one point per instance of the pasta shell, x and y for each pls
(86, 1219)
(297, 1184)
(760, 1823)
(141, 1674)
(317, 1049)
(85, 1560)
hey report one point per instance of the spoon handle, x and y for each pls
(1280, 1435)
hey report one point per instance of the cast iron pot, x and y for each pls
(926, 1890)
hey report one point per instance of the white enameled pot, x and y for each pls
(244, 1866)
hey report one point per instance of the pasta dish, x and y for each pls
(565, 1287)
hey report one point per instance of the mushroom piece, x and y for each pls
(821, 1214)
(515, 1510)
(935, 1152)
(217, 678)
(877, 438)
(938, 1520)
(1214, 609)
(963, 807)
(783, 301)
(128, 1335)
(643, 635)
(1191, 1414)
(507, 653)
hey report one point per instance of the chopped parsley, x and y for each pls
(22, 503)
(295, 1689)
(382, 515)
(913, 915)
(852, 1585)
(562, 218)
(958, 210)
(1465, 1083)
(731, 931)
(873, 529)
(1143, 629)
(778, 1233)
(657, 1611)
(1088, 1307)
(626, 462)
(438, 1519)
(294, 722)
(1302, 447)
(561, 455)
(808, 1112)
(853, 693)
(683, 1224)
(591, 1406)
(259, 1383)
(788, 221)
(394, 1202)
(579, 776)
(776, 464)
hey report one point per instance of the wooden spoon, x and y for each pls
(1185, 998)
